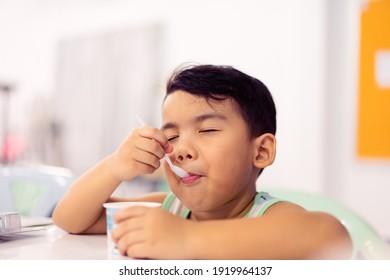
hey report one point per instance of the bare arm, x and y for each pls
(81, 208)
(296, 234)
(286, 231)
(82, 205)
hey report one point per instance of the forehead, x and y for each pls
(183, 103)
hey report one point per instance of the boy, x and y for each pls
(219, 125)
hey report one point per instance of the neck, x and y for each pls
(231, 210)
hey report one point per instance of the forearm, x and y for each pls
(260, 238)
(81, 209)
(82, 205)
(227, 239)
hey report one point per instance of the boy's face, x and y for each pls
(211, 142)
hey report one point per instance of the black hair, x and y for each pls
(214, 82)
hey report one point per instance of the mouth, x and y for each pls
(190, 179)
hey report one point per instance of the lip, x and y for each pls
(191, 179)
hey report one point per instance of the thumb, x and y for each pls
(168, 148)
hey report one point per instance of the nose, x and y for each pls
(184, 152)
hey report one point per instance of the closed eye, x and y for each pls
(172, 138)
(210, 130)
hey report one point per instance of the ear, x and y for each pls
(265, 150)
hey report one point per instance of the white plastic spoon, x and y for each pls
(177, 170)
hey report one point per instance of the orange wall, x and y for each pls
(374, 99)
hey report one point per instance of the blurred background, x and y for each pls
(74, 73)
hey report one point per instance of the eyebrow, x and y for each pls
(197, 119)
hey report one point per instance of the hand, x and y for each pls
(139, 153)
(154, 233)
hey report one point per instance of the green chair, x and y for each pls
(32, 190)
(367, 242)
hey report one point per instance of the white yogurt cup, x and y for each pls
(111, 209)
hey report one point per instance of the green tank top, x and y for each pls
(261, 203)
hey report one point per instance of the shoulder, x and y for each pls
(283, 207)
(320, 229)
(262, 202)
(287, 210)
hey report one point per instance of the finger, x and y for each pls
(126, 227)
(146, 158)
(130, 212)
(168, 148)
(129, 240)
(134, 244)
(137, 251)
(150, 146)
(147, 168)
(155, 134)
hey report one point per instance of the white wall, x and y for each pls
(284, 43)
(276, 41)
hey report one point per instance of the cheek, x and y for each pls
(233, 165)
(231, 156)
(233, 169)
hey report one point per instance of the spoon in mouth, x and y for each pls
(175, 169)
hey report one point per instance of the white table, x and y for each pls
(52, 243)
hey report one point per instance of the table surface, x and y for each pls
(52, 243)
